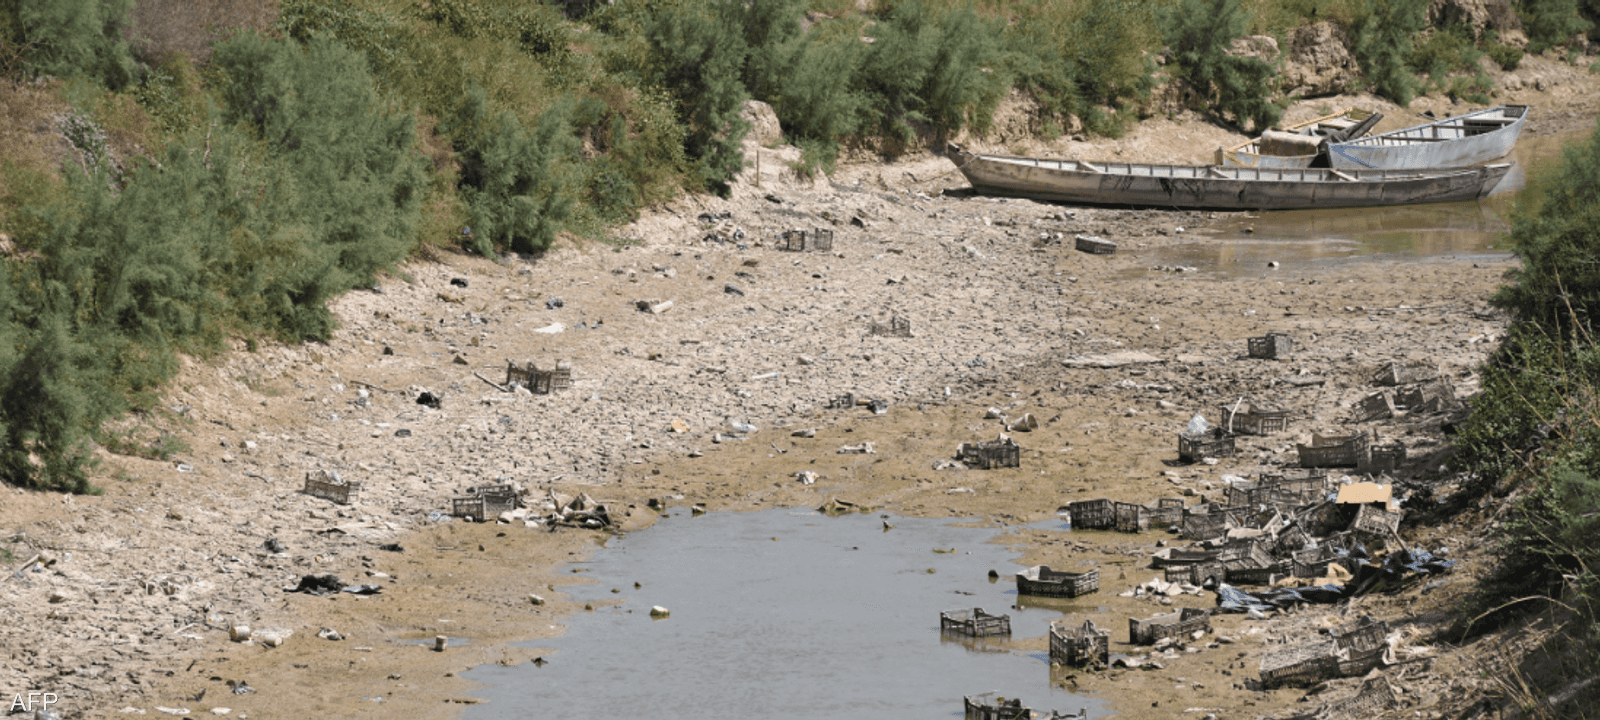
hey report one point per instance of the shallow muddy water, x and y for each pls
(784, 614)
(1297, 239)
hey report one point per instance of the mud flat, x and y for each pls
(139, 588)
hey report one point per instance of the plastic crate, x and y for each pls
(896, 327)
(1377, 406)
(1395, 374)
(1212, 443)
(1372, 520)
(1437, 395)
(539, 381)
(1167, 513)
(1301, 666)
(974, 623)
(1093, 514)
(1001, 453)
(1272, 346)
(1200, 573)
(1079, 646)
(1094, 245)
(1333, 450)
(1178, 624)
(329, 486)
(1130, 517)
(1247, 419)
(817, 240)
(1041, 581)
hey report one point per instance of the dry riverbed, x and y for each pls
(132, 608)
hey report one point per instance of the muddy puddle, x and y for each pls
(785, 614)
(1300, 240)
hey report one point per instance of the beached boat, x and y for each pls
(1298, 145)
(1212, 187)
(1470, 139)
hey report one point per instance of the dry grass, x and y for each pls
(31, 146)
(162, 27)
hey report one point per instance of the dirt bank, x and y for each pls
(144, 582)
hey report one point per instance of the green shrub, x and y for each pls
(1507, 57)
(1558, 283)
(69, 38)
(1200, 34)
(698, 53)
(517, 201)
(1380, 37)
(820, 102)
(1445, 51)
(1551, 23)
(963, 86)
(357, 178)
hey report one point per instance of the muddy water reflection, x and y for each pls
(1300, 238)
(784, 614)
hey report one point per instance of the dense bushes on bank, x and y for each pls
(232, 197)
(1534, 431)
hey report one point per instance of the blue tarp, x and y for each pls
(1233, 600)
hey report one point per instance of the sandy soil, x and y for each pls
(132, 609)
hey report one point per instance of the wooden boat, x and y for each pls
(1470, 139)
(1298, 145)
(1211, 187)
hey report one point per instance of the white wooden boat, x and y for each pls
(1217, 188)
(1297, 145)
(1470, 139)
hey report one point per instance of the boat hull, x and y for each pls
(1217, 188)
(1470, 139)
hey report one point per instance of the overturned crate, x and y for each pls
(1360, 646)
(1094, 245)
(999, 453)
(329, 486)
(1041, 581)
(1272, 346)
(896, 327)
(974, 623)
(1301, 666)
(1080, 646)
(1377, 406)
(1437, 395)
(1374, 521)
(1333, 450)
(817, 240)
(1248, 419)
(1375, 697)
(1395, 374)
(1171, 625)
(539, 381)
(1212, 443)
